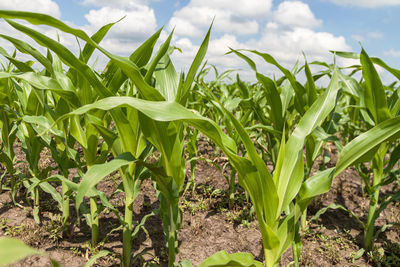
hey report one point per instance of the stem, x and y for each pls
(95, 221)
(36, 205)
(127, 234)
(171, 237)
(12, 181)
(193, 182)
(232, 188)
(130, 188)
(369, 231)
(377, 166)
(303, 220)
(171, 249)
(65, 208)
(269, 258)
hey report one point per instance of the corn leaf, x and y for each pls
(375, 96)
(289, 182)
(222, 258)
(13, 250)
(98, 172)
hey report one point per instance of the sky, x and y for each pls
(283, 29)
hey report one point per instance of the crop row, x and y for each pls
(139, 104)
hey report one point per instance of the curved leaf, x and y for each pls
(97, 172)
(222, 258)
(13, 250)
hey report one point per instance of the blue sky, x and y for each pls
(281, 28)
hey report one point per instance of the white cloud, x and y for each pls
(358, 37)
(366, 3)
(375, 35)
(283, 39)
(367, 36)
(392, 53)
(288, 45)
(122, 39)
(113, 3)
(253, 8)
(138, 24)
(296, 14)
(41, 6)
(139, 21)
(239, 17)
(285, 46)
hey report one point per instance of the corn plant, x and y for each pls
(168, 86)
(289, 180)
(87, 82)
(64, 97)
(374, 106)
(278, 232)
(8, 118)
(139, 104)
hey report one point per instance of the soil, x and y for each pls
(208, 226)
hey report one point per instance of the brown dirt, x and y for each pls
(208, 225)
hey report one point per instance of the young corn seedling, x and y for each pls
(63, 96)
(170, 145)
(8, 118)
(89, 86)
(278, 231)
(280, 199)
(375, 109)
(32, 104)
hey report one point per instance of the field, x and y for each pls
(138, 165)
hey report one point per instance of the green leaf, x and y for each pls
(274, 100)
(289, 182)
(183, 90)
(161, 111)
(27, 49)
(142, 54)
(46, 187)
(97, 37)
(245, 58)
(367, 141)
(160, 54)
(77, 132)
(299, 90)
(311, 90)
(375, 96)
(22, 66)
(44, 83)
(359, 254)
(95, 257)
(316, 185)
(222, 258)
(167, 80)
(5, 159)
(126, 65)
(55, 263)
(335, 206)
(44, 124)
(97, 172)
(13, 250)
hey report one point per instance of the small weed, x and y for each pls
(53, 228)
(243, 216)
(86, 250)
(387, 255)
(194, 207)
(11, 230)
